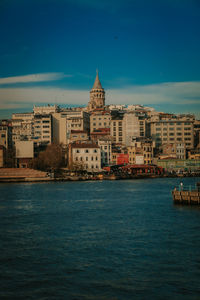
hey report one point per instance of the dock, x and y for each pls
(189, 196)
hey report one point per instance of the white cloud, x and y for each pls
(185, 95)
(33, 78)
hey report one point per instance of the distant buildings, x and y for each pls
(100, 135)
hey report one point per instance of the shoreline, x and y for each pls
(88, 178)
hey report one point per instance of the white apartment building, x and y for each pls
(42, 129)
(106, 151)
(86, 156)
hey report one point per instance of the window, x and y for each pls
(171, 128)
(77, 151)
(86, 158)
(95, 151)
(171, 134)
(86, 151)
(158, 129)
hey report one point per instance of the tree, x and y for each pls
(51, 158)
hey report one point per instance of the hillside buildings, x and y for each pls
(100, 135)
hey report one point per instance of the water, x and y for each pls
(98, 240)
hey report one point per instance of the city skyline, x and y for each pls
(146, 52)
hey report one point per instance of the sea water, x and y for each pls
(121, 239)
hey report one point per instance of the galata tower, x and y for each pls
(97, 95)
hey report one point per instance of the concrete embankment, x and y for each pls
(22, 175)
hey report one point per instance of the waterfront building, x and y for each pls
(173, 150)
(168, 128)
(141, 151)
(24, 153)
(105, 145)
(84, 156)
(194, 153)
(97, 95)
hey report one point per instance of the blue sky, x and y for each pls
(147, 52)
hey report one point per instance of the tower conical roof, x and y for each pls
(97, 83)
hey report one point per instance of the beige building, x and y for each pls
(141, 152)
(176, 150)
(42, 128)
(22, 127)
(117, 127)
(126, 126)
(42, 110)
(194, 154)
(97, 95)
(165, 128)
(85, 156)
(99, 119)
(67, 121)
(24, 153)
(134, 126)
(78, 135)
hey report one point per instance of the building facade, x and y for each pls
(84, 156)
(173, 129)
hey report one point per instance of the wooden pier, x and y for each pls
(186, 197)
